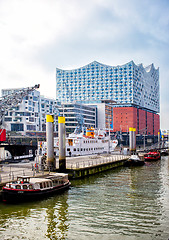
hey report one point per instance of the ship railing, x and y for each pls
(11, 174)
(95, 162)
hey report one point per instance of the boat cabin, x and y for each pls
(32, 183)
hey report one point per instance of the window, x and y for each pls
(17, 127)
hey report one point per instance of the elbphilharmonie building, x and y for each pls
(129, 94)
(125, 84)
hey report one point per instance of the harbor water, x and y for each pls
(121, 204)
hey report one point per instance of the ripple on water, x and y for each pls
(126, 203)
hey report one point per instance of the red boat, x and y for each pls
(152, 156)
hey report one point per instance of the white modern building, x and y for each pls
(30, 114)
(125, 84)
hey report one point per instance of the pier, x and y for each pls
(76, 167)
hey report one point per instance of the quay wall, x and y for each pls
(87, 171)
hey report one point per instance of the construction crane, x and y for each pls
(12, 100)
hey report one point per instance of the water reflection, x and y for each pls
(125, 203)
(57, 217)
(47, 219)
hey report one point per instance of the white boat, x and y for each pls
(92, 142)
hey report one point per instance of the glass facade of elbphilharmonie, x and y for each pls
(125, 84)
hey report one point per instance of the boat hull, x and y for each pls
(152, 157)
(17, 195)
(132, 162)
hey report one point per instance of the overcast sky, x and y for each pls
(36, 36)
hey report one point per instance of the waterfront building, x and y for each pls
(30, 114)
(145, 121)
(128, 83)
(78, 114)
(104, 114)
(134, 88)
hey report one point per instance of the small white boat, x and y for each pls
(27, 188)
(134, 160)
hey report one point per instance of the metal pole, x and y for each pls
(158, 139)
(50, 142)
(134, 139)
(131, 139)
(62, 144)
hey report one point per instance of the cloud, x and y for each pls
(38, 35)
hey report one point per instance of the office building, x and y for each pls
(78, 114)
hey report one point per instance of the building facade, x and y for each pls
(78, 114)
(30, 114)
(128, 83)
(145, 122)
(134, 88)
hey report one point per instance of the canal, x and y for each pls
(125, 203)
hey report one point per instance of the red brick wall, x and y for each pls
(149, 123)
(123, 118)
(156, 124)
(142, 121)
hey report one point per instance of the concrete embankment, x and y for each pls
(76, 167)
(87, 171)
(83, 166)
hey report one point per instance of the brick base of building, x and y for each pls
(145, 122)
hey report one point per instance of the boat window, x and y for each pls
(74, 149)
(81, 149)
(30, 187)
(19, 179)
(41, 185)
(18, 187)
(50, 184)
(68, 149)
(47, 184)
(24, 186)
(86, 149)
(44, 184)
(78, 149)
(56, 181)
(25, 180)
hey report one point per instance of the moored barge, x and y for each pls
(27, 188)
